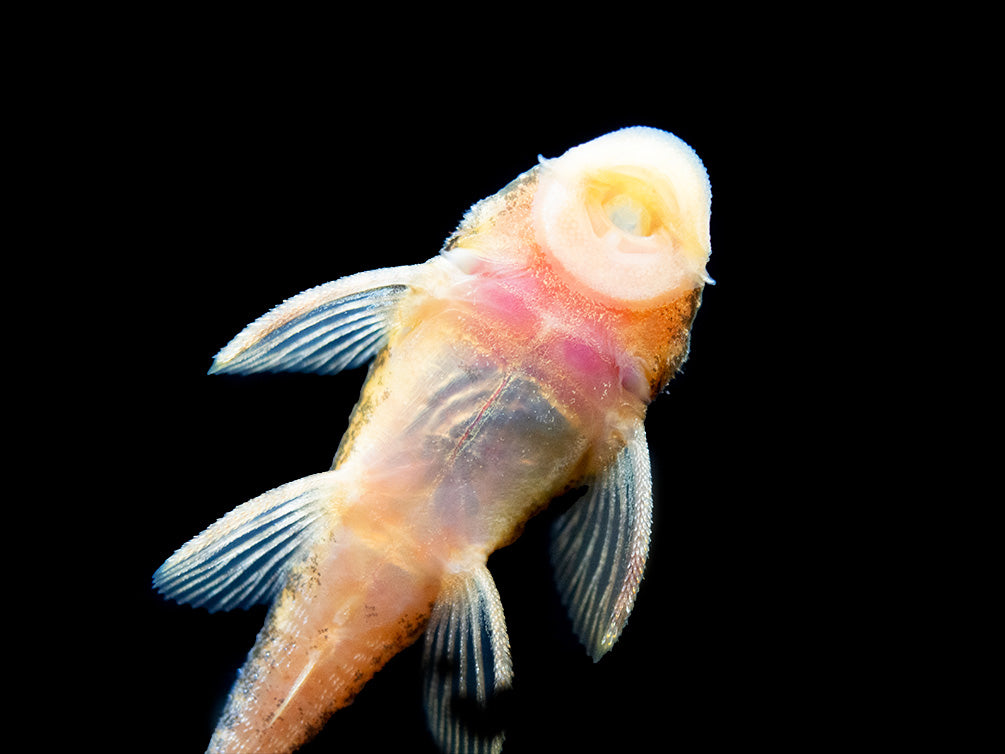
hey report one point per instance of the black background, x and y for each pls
(242, 163)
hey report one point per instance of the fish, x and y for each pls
(513, 367)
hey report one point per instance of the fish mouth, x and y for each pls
(628, 225)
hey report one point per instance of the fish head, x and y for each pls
(611, 239)
(624, 219)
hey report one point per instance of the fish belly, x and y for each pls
(463, 439)
(462, 432)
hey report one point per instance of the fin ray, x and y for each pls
(335, 326)
(600, 546)
(242, 559)
(467, 664)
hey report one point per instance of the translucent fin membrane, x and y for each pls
(336, 326)
(600, 545)
(467, 665)
(243, 558)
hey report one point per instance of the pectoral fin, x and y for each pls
(599, 547)
(467, 664)
(243, 558)
(323, 330)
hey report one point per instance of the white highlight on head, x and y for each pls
(626, 216)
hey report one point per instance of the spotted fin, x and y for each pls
(336, 326)
(242, 559)
(599, 547)
(467, 665)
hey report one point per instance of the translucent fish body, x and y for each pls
(498, 383)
